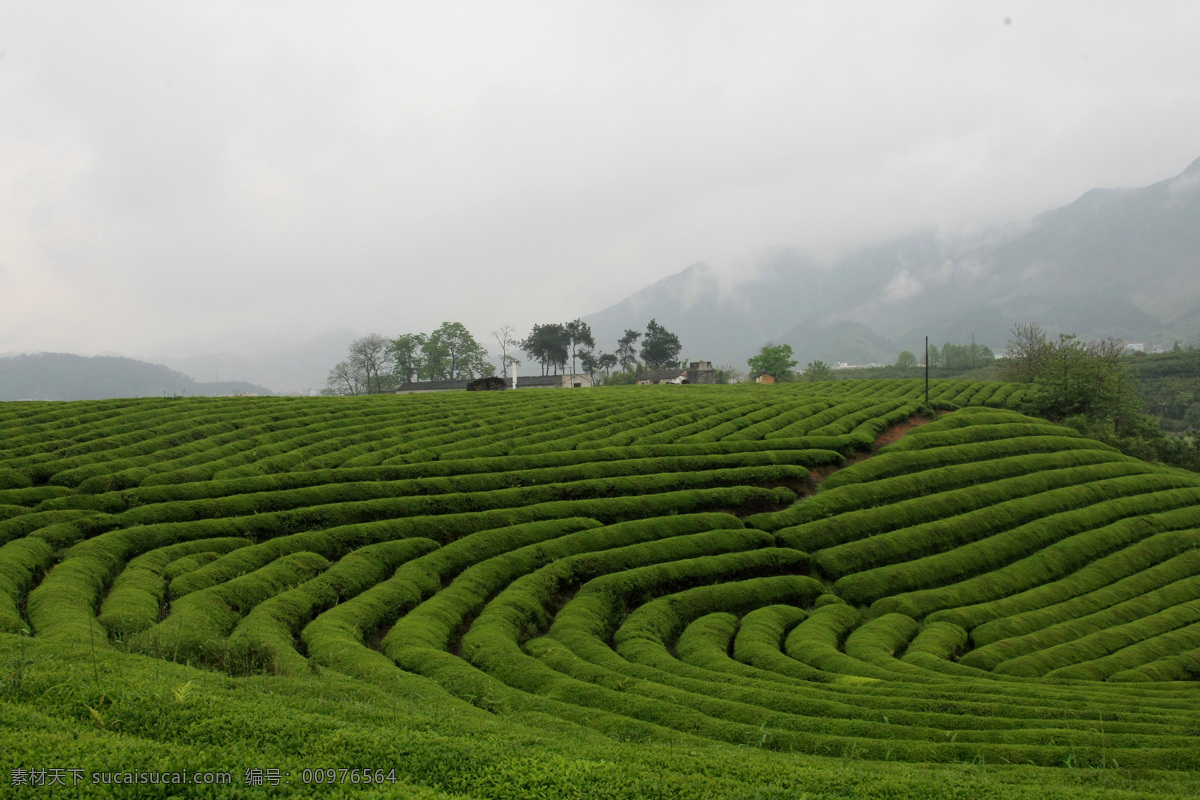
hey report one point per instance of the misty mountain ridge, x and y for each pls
(63, 376)
(300, 369)
(1116, 262)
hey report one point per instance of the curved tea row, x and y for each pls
(644, 562)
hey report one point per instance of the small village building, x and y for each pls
(491, 383)
(676, 375)
(765, 378)
(701, 372)
(494, 383)
(564, 381)
(418, 387)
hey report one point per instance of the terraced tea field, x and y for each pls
(622, 592)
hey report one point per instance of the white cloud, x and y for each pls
(242, 171)
(903, 286)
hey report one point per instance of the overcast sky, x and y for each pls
(184, 177)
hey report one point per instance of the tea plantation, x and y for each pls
(795, 591)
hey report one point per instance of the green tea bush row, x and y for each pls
(222, 499)
(1176, 667)
(902, 462)
(941, 641)
(753, 432)
(759, 643)
(894, 410)
(199, 623)
(1077, 564)
(1165, 584)
(1004, 545)
(1023, 497)
(1056, 648)
(852, 497)
(265, 638)
(135, 598)
(922, 440)
(22, 562)
(816, 640)
(833, 411)
(788, 419)
(1144, 652)
(881, 640)
(663, 619)
(955, 519)
(336, 637)
(732, 426)
(499, 425)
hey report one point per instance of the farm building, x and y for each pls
(656, 376)
(701, 372)
(765, 378)
(697, 372)
(564, 381)
(417, 387)
(494, 383)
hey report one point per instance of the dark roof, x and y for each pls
(539, 380)
(431, 386)
(491, 382)
(662, 374)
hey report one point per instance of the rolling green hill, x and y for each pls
(798, 590)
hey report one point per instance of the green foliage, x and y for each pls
(773, 360)
(613, 593)
(660, 347)
(818, 371)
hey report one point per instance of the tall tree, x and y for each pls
(818, 371)
(549, 346)
(1026, 351)
(434, 358)
(406, 356)
(345, 379)
(1086, 379)
(774, 360)
(626, 352)
(579, 336)
(590, 363)
(371, 355)
(506, 339)
(461, 350)
(659, 347)
(906, 359)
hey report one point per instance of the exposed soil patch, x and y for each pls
(897, 432)
(889, 436)
(375, 642)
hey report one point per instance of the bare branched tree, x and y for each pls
(372, 356)
(505, 336)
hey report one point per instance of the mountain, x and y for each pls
(301, 369)
(61, 376)
(1116, 262)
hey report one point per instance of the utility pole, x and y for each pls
(926, 370)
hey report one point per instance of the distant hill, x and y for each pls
(1116, 262)
(296, 370)
(62, 376)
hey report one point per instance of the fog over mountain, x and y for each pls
(299, 369)
(63, 376)
(1116, 262)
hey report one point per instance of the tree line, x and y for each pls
(951, 356)
(376, 363)
(1088, 385)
